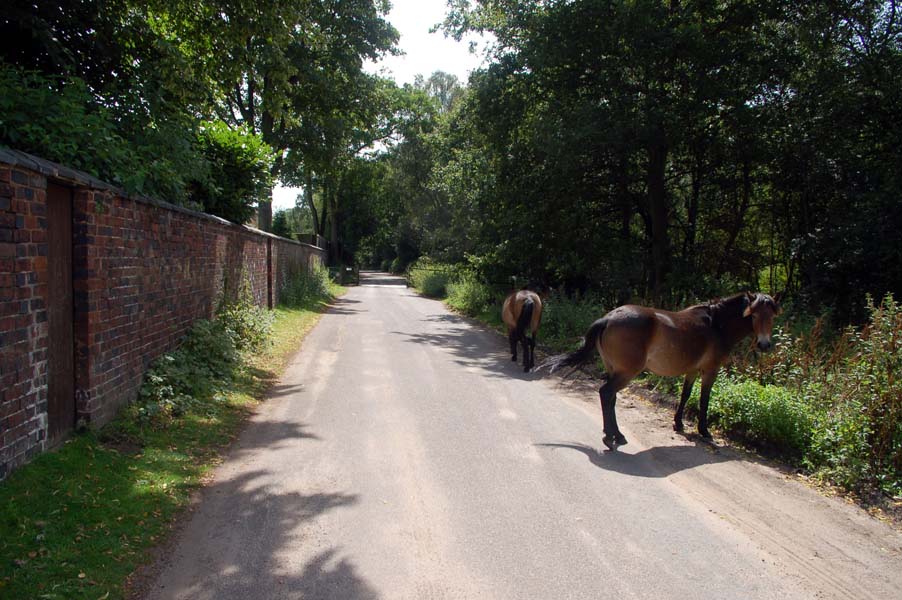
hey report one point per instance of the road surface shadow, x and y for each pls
(656, 462)
(277, 391)
(344, 306)
(235, 546)
(239, 541)
(271, 435)
(469, 347)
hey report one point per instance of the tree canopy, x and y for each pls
(130, 91)
(642, 149)
(669, 150)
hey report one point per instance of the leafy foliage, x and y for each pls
(197, 370)
(58, 119)
(292, 222)
(239, 174)
(138, 80)
(247, 323)
(468, 294)
(837, 406)
(205, 363)
(663, 151)
(431, 278)
(307, 287)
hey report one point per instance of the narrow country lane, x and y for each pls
(403, 456)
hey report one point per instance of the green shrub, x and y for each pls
(565, 319)
(249, 324)
(840, 447)
(398, 265)
(306, 287)
(60, 119)
(431, 278)
(469, 295)
(197, 370)
(205, 362)
(768, 415)
(859, 440)
(57, 119)
(239, 173)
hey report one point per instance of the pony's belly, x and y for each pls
(669, 363)
(508, 317)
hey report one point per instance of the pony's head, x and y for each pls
(540, 288)
(762, 309)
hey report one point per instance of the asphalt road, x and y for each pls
(404, 456)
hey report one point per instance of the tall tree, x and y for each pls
(286, 67)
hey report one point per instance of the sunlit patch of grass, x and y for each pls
(77, 521)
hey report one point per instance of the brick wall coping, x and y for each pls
(57, 172)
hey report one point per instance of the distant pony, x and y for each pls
(692, 342)
(522, 313)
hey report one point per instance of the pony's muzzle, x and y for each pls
(765, 345)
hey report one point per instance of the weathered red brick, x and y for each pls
(141, 276)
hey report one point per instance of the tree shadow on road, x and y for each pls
(242, 540)
(240, 546)
(472, 347)
(656, 462)
(343, 306)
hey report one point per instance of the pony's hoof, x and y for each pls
(678, 427)
(526, 369)
(514, 358)
(705, 435)
(612, 441)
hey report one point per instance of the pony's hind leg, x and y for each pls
(512, 338)
(608, 394)
(684, 397)
(526, 353)
(707, 384)
(532, 351)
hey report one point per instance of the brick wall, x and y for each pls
(23, 316)
(143, 272)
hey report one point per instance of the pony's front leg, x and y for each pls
(684, 397)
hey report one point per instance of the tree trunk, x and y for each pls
(333, 229)
(318, 226)
(659, 213)
(264, 214)
(740, 218)
(692, 209)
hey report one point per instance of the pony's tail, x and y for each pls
(525, 318)
(579, 356)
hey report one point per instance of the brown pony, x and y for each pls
(692, 342)
(522, 313)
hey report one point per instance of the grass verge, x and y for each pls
(76, 522)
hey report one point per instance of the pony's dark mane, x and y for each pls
(727, 310)
(728, 318)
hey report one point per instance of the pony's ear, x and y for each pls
(749, 303)
(778, 299)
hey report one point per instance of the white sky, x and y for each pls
(424, 53)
